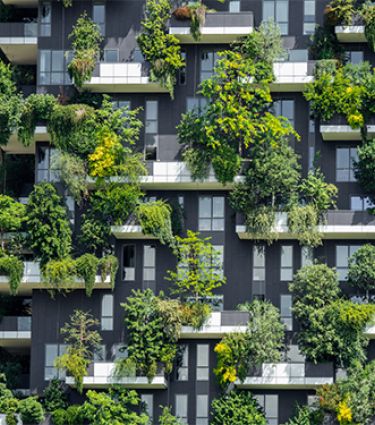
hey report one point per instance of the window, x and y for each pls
(211, 213)
(208, 63)
(355, 58)
(278, 11)
(45, 171)
(110, 55)
(149, 267)
(309, 17)
(259, 271)
(98, 16)
(234, 6)
(182, 71)
(286, 311)
(343, 253)
(196, 103)
(284, 108)
(148, 400)
(100, 354)
(345, 158)
(202, 409)
(151, 130)
(360, 203)
(117, 104)
(286, 266)
(182, 407)
(307, 256)
(202, 362)
(296, 55)
(45, 20)
(107, 313)
(51, 352)
(183, 367)
(119, 351)
(218, 260)
(270, 406)
(53, 65)
(128, 262)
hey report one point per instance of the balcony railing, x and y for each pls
(15, 330)
(292, 76)
(218, 324)
(339, 224)
(289, 376)
(19, 40)
(101, 375)
(354, 33)
(338, 129)
(129, 77)
(219, 27)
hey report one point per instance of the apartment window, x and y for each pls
(284, 108)
(46, 167)
(307, 256)
(286, 311)
(360, 203)
(149, 267)
(45, 20)
(309, 17)
(202, 409)
(110, 55)
(118, 104)
(151, 130)
(128, 262)
(182, 407)
(51, 352)
(270, 406)
(354, 57)
(234, 6)
(296, 55)
(183, 366)
(100, 353)
(345, 159)
(211, 213)
(196, 103)
(286, 266)
(98, 16)
(202, 362)
(107, 313)
(148, 401)
(182, 71)
(259, 271)
(208, 63)
(53, 65)
(343, 253)
(218, 260)
(278, 11)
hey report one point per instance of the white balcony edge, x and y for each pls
(130, 232)
(351, 33)
(283, 382)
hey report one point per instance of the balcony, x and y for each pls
(15, 331)
(122, 78)
(292, 76)
(351, 33)
(219, 27)
(339, 225)
(218, 324)
(370, 331)
(14, 146)
(32, 279)
(18, 41)
(100, 375)
(21, 3)
(130, 230)
(289, 376)
(338, 129)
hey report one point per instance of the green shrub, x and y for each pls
(86, 267)
(13, 268)
(31, 411)
(108, 267)
(59, 417)
(59, 274)
(55, 397)
(303, 223)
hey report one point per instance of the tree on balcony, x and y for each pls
(361, 272)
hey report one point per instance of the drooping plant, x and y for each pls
(108, 267)
(12, 215)
(59, 275)
(160, 49)
(86, 267)
(12, 267)
(368, 14)
(86, 39)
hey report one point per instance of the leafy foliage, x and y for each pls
(306, 416)
(87, 266)
(302, 222)
(47, 224)
(54, 396)
(325, 46)
(59, 274)
(365, 167)
(155, 219)
(160, 49)
(340, 11)
(31, 411)
(237, 407)
(12, 215)
(166, 418)
(262, 342)
(368, 15)
(362, 268)
(108, 267)
(12, 267)
(86, 39)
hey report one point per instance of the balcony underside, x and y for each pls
(14, 146)
(209, 332)
(351, 34)
(282, 383)
(370, 332)
(20, 50)
(123, 85)
(21, 3)
(139, 383)
(286, 84)
(129, 232)
(15, 338)
(210, 34)
(344, 132)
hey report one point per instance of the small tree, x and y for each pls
(237, 408)
(113, 407)
(47, 222)
(362, 268)
(199, 270)
(166, 418)
(12, 215)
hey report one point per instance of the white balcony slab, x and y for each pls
(122, 78)
(210, 34)
(370, 332)
(103, 378)
(291, 76)
(344, 132)
(351, 33)
(20, 50)
(129, 232)
(283, 376)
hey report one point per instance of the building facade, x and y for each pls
(38, 37)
